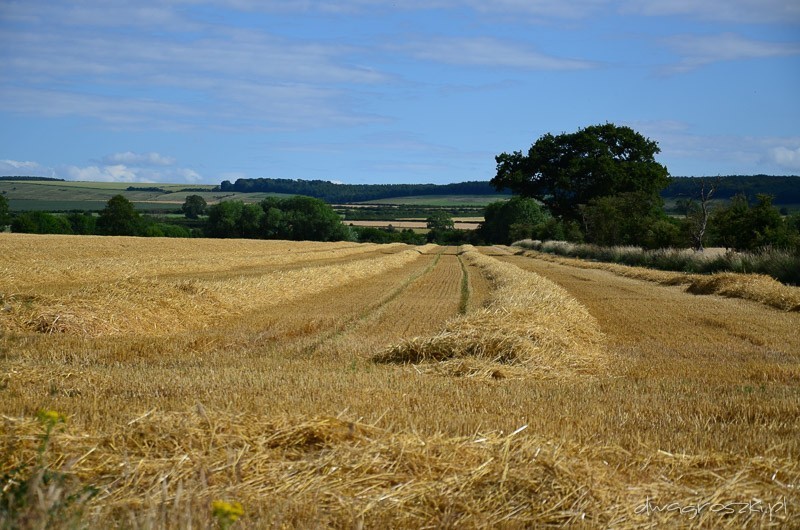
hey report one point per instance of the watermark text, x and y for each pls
(754, 507)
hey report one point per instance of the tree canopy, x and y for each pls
(5, 218)
(296, 218)
(194, 206)
(567, 171)
(119, 218)
(512, 220)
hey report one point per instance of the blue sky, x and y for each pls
(370, 91)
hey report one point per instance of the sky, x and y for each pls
(372, 91)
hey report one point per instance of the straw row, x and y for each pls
(26, 261)
(529, 326)
(158, 306)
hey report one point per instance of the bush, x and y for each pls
(40, 223)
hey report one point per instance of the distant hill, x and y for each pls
(785, 190)
(30, 178)
(351, 193)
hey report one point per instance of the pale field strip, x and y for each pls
(160, 307)
(423, 305)
(430, 302)
(530, 326)
(30, 261)
(375, 312)
(458, 225)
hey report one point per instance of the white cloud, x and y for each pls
(115, 173)
(682, 150)
(131, 167)
(484, 51)
(139, 159)
(189, 175)
(17, 168)
(16, 164)
(785, 157)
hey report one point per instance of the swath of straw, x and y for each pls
(157, 307)
(530, 323)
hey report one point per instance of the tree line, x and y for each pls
(784, 190)
(333, 193)
(295, 218)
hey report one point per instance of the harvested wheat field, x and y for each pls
(155, 383)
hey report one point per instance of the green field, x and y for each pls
(56, 196)
(442, 200)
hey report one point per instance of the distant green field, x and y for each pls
(69, 195)
(30, 205)
(55, 196)
(442, 200)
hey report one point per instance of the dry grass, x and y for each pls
(28, 260)
(757, 287)
(155, 306)
(334, 471)
(701, 404)
(529, 323)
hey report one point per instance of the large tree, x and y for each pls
(194, 206)
(119, 218)
(567, 171)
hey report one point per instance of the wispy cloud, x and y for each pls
(744, 11)
(748, 11)
(488, 52)
(700, 50)
(67, 62)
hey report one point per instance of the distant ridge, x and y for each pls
(31, 178)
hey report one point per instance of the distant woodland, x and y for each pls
(785, 190)
(346, 193)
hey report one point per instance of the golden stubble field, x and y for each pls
(347, 385)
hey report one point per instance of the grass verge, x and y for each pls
(749, 286)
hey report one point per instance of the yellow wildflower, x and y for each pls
(226, 513)
(51, 417)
